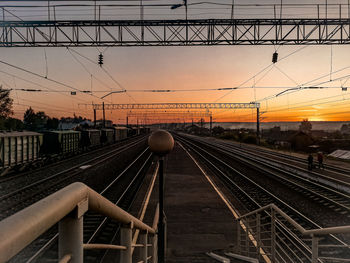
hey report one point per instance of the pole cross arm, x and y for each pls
(20, 229)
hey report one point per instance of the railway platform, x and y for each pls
(198, 220)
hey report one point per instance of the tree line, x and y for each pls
(33, 121)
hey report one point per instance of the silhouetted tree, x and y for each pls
(218, 130)
(13, 124)
(345, 129)
(52, 124)
(34, 121)
(29, 119)
(5, 103)
(305, 126)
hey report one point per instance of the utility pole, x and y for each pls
(258, 126)
(94, 118)
(104, 116)
(211, 124)
(127, 121)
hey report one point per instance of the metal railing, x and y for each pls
(271, 235)
(67, 207)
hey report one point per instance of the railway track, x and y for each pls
(333, 173)
(97, 229)
(10, 181)
(335, 200)
(249, 193)
(25, 196)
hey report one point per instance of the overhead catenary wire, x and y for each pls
(262, 70)
(106, 71)
(87, 70)
(48, 89)
(43, 77)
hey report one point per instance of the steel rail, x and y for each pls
(280, 225)
(100, 158)
(42, 215)
(325, 180)
(264, 163)
(47, 245)
(72, 158)
(334, 169)
(246, 178)
(121, 196)
(332, 191)
(303, 217)
(298, 239)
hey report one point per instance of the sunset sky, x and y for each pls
(182, 68)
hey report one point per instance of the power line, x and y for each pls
(37, 84)
(43, 77)
(108, 74)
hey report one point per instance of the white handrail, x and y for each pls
(253, 228)
(20, 229)
(318, 232)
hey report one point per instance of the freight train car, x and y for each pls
(61, 142)
(120, 133)
(90, 138)
(19, 148)
(107, 136)
(143, 130)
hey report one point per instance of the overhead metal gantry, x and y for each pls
(170, 114)
(178, 106)
(136, 106)
(202, 32)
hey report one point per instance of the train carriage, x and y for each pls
(90, 138)
(19, 148)
(107, 136)
(120, 133)
(61, 142)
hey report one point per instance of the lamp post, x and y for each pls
(161, 143)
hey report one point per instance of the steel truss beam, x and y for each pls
(177, 106)
(201, 32)
(169, 114)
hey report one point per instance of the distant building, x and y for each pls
(108, 123)
(70, 125)
(345, 129)
(300, 141)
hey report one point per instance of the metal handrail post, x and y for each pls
(155, 248)
(126, 240)
(258, 237)
(238, 236)
(273, 235)
(161, 227)
(70, 238)
(144, 249)
(314, 249)
(155, 236)
(247, 238)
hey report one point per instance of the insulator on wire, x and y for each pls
(100, 59)
(274, 57)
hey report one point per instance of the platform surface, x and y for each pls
(198, 221)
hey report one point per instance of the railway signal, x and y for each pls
(274, 57)
(100, 59)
